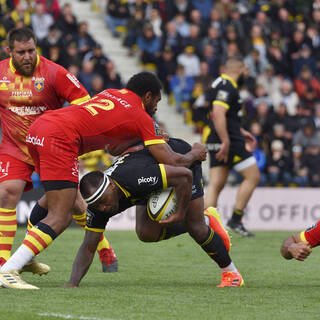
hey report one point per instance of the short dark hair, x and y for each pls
(143, 82)
(90, 182)
(21, 35)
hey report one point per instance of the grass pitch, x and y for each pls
(173, 279)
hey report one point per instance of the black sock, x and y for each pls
(213, 245)
(37, 214)
(172, 231)
(237, 215)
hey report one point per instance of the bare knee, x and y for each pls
(146, 234)
(10, 193)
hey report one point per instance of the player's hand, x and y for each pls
(200, 150)
(300, 251)
(223, 153)
(174, 218)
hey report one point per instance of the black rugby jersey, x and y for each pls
(224, 91)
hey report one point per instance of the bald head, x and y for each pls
(234, 65)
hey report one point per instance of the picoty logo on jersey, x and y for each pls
(35, 140)
(151, 180)
(39, 84)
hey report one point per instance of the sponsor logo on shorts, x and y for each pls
(215, 147)
(75, 169)
(4, 169)
(151, 180)
(35, 140)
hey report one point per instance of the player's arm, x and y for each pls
(249, 138)
(219, 118)
(181, 179)
(163, 153)
(294, 247)
(84, 258)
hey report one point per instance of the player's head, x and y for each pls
(22, 50)
(148, 87)
(234, 66)
(99, 192)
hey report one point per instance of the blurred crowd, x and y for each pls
(186, 42)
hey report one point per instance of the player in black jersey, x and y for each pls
(226, 143)
(128, 182)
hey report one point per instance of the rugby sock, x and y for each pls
(175, 230)
(237, 215)
(8, 228)
(105, 255)
(213, 245)
(37, 239)
(37, 214)
(172, 231)
(230, 268)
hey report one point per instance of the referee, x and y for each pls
(227, 144)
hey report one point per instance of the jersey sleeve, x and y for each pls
(69, 88)
(312, 235)
(150, 130)
(222, 96)
(96, 220)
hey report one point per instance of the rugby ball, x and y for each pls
(162, 204)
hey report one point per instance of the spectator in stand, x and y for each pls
(196, 19)
(54, 38)
(175, 7)
(261, 96)
(279, 165)
(86, 74)
(166, 68)
(57, 56)
(278, 60)
(97, 85)
(286, 95)
(181, 86)
(300, 172)
(225, 7)
(284, 24)
(67, 22)
(193, 39)
(213, 38)
(262, 20)
(98, 58)
(212, 59)
(307, 135)
(238, 23)
(295, 44)
(171, 38)
(313, 35)
(182, 25)
(203, 6)
(307, 87)
(134, 29)
(216, 21)
(304, 58)
(316, 117)
(21, 12)
(149, 46)
(275, 39)
(117, 15)
(269, 80)
(52, 7)
(312, 162)
(83, 39)
(41, 22)
(72, 56)
(231, 36)
(156, 22)
(190, 61)
(113, 79)
(255, 63)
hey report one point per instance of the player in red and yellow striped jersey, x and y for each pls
(29, 85)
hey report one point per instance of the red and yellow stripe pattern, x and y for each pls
(8, 228)
(36, 240)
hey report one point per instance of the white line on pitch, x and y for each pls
(69, 316)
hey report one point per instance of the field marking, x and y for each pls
(69, 316)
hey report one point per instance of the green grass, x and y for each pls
(173, 279)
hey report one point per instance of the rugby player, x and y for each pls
(226, 144)
(120, 187)
(116, 118)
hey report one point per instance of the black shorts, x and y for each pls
(237, 152)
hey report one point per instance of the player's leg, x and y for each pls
(106, 254)
(39, 237)
(251, 178)
(212, 243)
(218, 178)
(10, 193)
